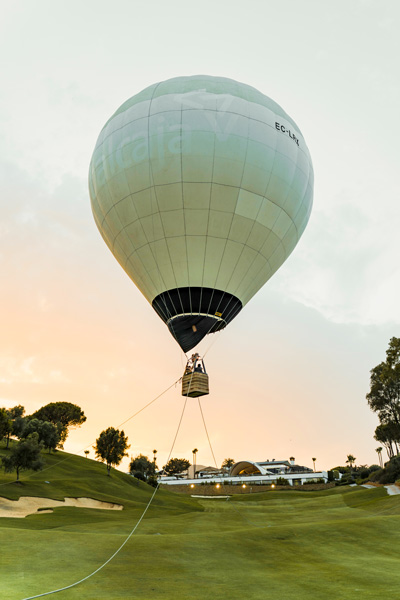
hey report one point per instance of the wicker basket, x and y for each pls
(195, 385)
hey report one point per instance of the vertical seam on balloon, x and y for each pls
(184, 217)
(171, 328)
(256, 275)
(268, 236)
(209, 211)
(244, 244)
(287, 195)
(237, 200)
(152, 187)
(222, 257)
(127, 257)
(310, 171)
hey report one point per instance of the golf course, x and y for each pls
(340, 543)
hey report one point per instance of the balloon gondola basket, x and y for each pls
(195, 378)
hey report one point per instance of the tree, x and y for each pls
(19, 426)
(49, 434)
(111, 447)
(227, 463)
(141, 467)
(386, 433)
(379, 452)
(194, 452)
(350, 460)
(16, 412)
(5, 424)
(384, 395)
(314, 459)
(175, 466)
(25, 455)
(86, 452)
(63, 413)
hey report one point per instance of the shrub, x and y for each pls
(282, 481)
(152, 480)
(374, 468)
(363, 473)
(374, 476)
(367, 474)
(342, 470)
(347, 479)
(389, 474)
(139, 475)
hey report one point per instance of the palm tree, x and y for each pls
(379, 451)
(194, 452)
(314, 459)
(227, 463)
(351, 460)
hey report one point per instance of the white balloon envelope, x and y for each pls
(201, 187)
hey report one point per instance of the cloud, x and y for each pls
(347, 267)
(13, 370)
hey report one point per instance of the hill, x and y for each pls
(336, 543)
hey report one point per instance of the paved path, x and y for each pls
(392, 489)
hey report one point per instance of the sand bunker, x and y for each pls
(29, 505)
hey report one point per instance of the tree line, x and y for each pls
(47, 428)
(111, 447)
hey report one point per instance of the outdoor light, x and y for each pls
(273, 485)
(244, 485)
(217, 486)
(192, 485)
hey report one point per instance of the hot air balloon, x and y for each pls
(201, 187)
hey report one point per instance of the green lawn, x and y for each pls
(340, 543)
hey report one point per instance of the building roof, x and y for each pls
(268, 467)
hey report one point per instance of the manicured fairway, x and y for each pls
(341, 543)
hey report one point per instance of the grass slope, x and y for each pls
(340, 543)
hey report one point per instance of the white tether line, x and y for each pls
(91, 443)
(67, 587)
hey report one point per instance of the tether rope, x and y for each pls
(67, 587)
(206, 430)
(91, 443)
(222, 481)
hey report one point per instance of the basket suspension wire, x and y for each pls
(127, 537)
(216, 466)
(59, 462)
(206, 430)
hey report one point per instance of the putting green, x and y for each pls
(340, 543)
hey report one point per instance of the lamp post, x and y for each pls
(194, 452)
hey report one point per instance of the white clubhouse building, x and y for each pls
(249, 472)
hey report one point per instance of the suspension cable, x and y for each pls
(59, 462)
(67, 587)
(206, 430)
(222, 481)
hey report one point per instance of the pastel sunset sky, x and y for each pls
(290, 374)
